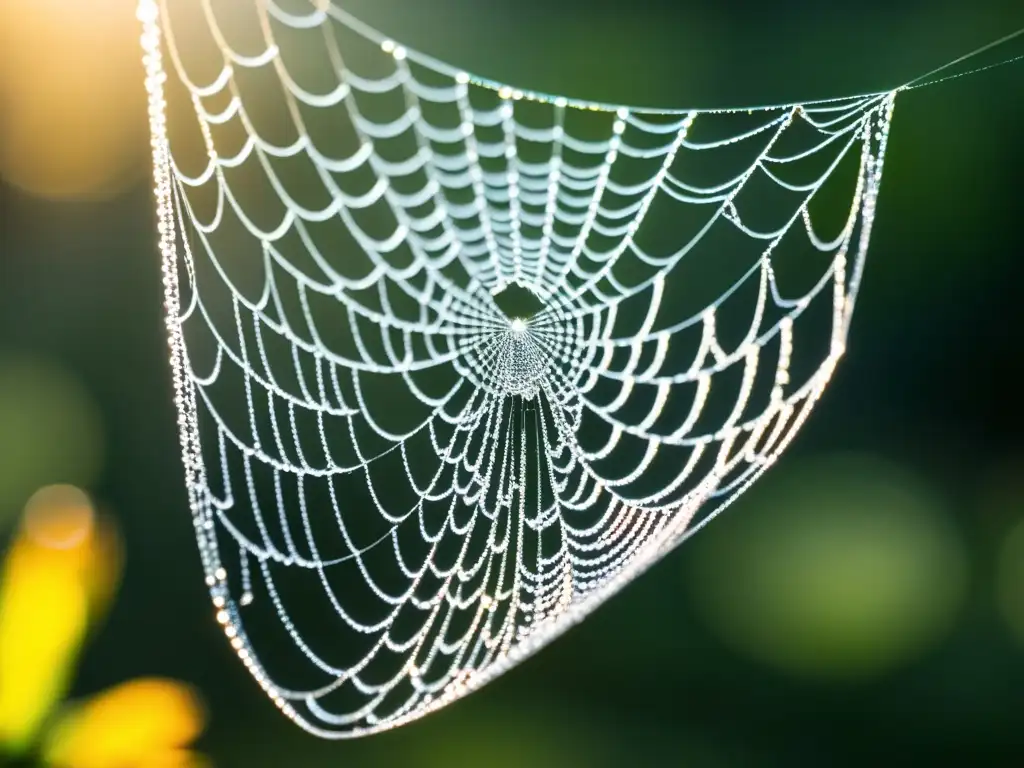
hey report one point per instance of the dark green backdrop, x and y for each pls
(932, 383)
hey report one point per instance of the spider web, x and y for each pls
(400, 490)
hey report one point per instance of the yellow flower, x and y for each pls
(142, 722)
(59, 575)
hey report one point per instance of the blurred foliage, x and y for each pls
(52, 430)
(1010, 590)
(1005, 503)
(840, 567)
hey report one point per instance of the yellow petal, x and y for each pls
(58, 566)
(143, 723)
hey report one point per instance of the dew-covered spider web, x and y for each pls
(455, 362)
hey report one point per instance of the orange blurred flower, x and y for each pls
(58, 577)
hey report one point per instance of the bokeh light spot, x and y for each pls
(837, 568)
(58, 517)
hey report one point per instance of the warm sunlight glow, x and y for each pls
(70, 125)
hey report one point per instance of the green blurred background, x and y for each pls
(863, 604)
